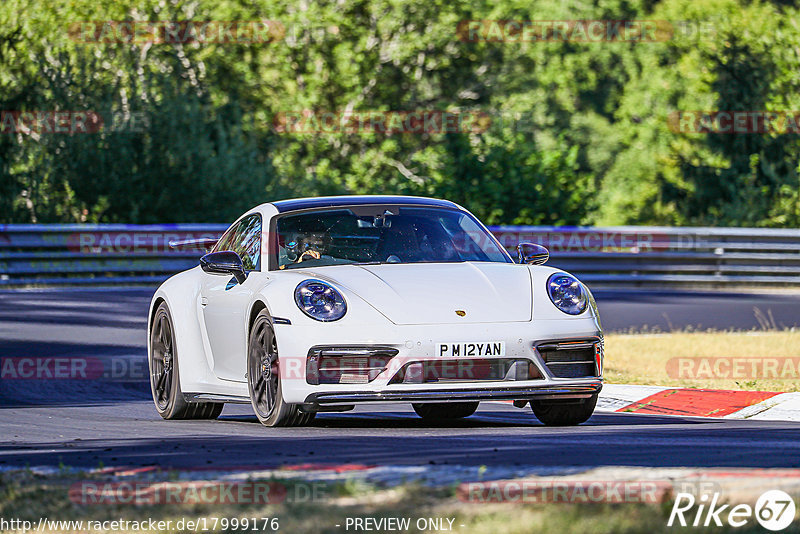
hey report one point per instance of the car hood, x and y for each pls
(431, 293)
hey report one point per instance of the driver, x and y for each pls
(307, 247)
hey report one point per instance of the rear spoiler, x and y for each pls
(205, 243)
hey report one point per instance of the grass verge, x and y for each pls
(758, 360)
(29, 497)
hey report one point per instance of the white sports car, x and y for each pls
(319, 304)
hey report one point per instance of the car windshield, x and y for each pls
(383, 234)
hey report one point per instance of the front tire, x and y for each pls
(444, 411)
(561, 414)
(264, 378)
(165, 383)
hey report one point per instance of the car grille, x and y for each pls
(467, 370)
(572, 359)
(347, 365)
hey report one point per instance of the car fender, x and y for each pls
(182, 295)
(278, 296)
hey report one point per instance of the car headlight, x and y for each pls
(319, 300)
(567, 293)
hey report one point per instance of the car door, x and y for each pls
(224, 302)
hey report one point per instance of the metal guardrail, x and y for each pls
(58, 254)
(630, 256)
(637, 256)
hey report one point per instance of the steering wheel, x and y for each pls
(308, 255)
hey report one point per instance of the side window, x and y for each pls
(225, 241)
(244, 239)
(247, 242)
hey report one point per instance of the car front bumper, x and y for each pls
(496, 393)
(415, 344)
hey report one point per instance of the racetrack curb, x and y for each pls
(716, 403)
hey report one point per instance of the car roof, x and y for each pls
(358, 200)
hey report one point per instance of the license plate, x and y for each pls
(478, 348)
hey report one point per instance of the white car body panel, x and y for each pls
(224, 308)
(410, 307)
(422, 293)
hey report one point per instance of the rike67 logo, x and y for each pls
(774, 510)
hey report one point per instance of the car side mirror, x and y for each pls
(224, 262)
(532, 254)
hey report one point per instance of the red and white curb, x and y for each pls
(718, 403)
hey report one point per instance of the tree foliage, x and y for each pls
(579, 132)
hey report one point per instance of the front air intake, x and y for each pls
(347, 365)
(572, 359)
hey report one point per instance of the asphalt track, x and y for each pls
(86, 423)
